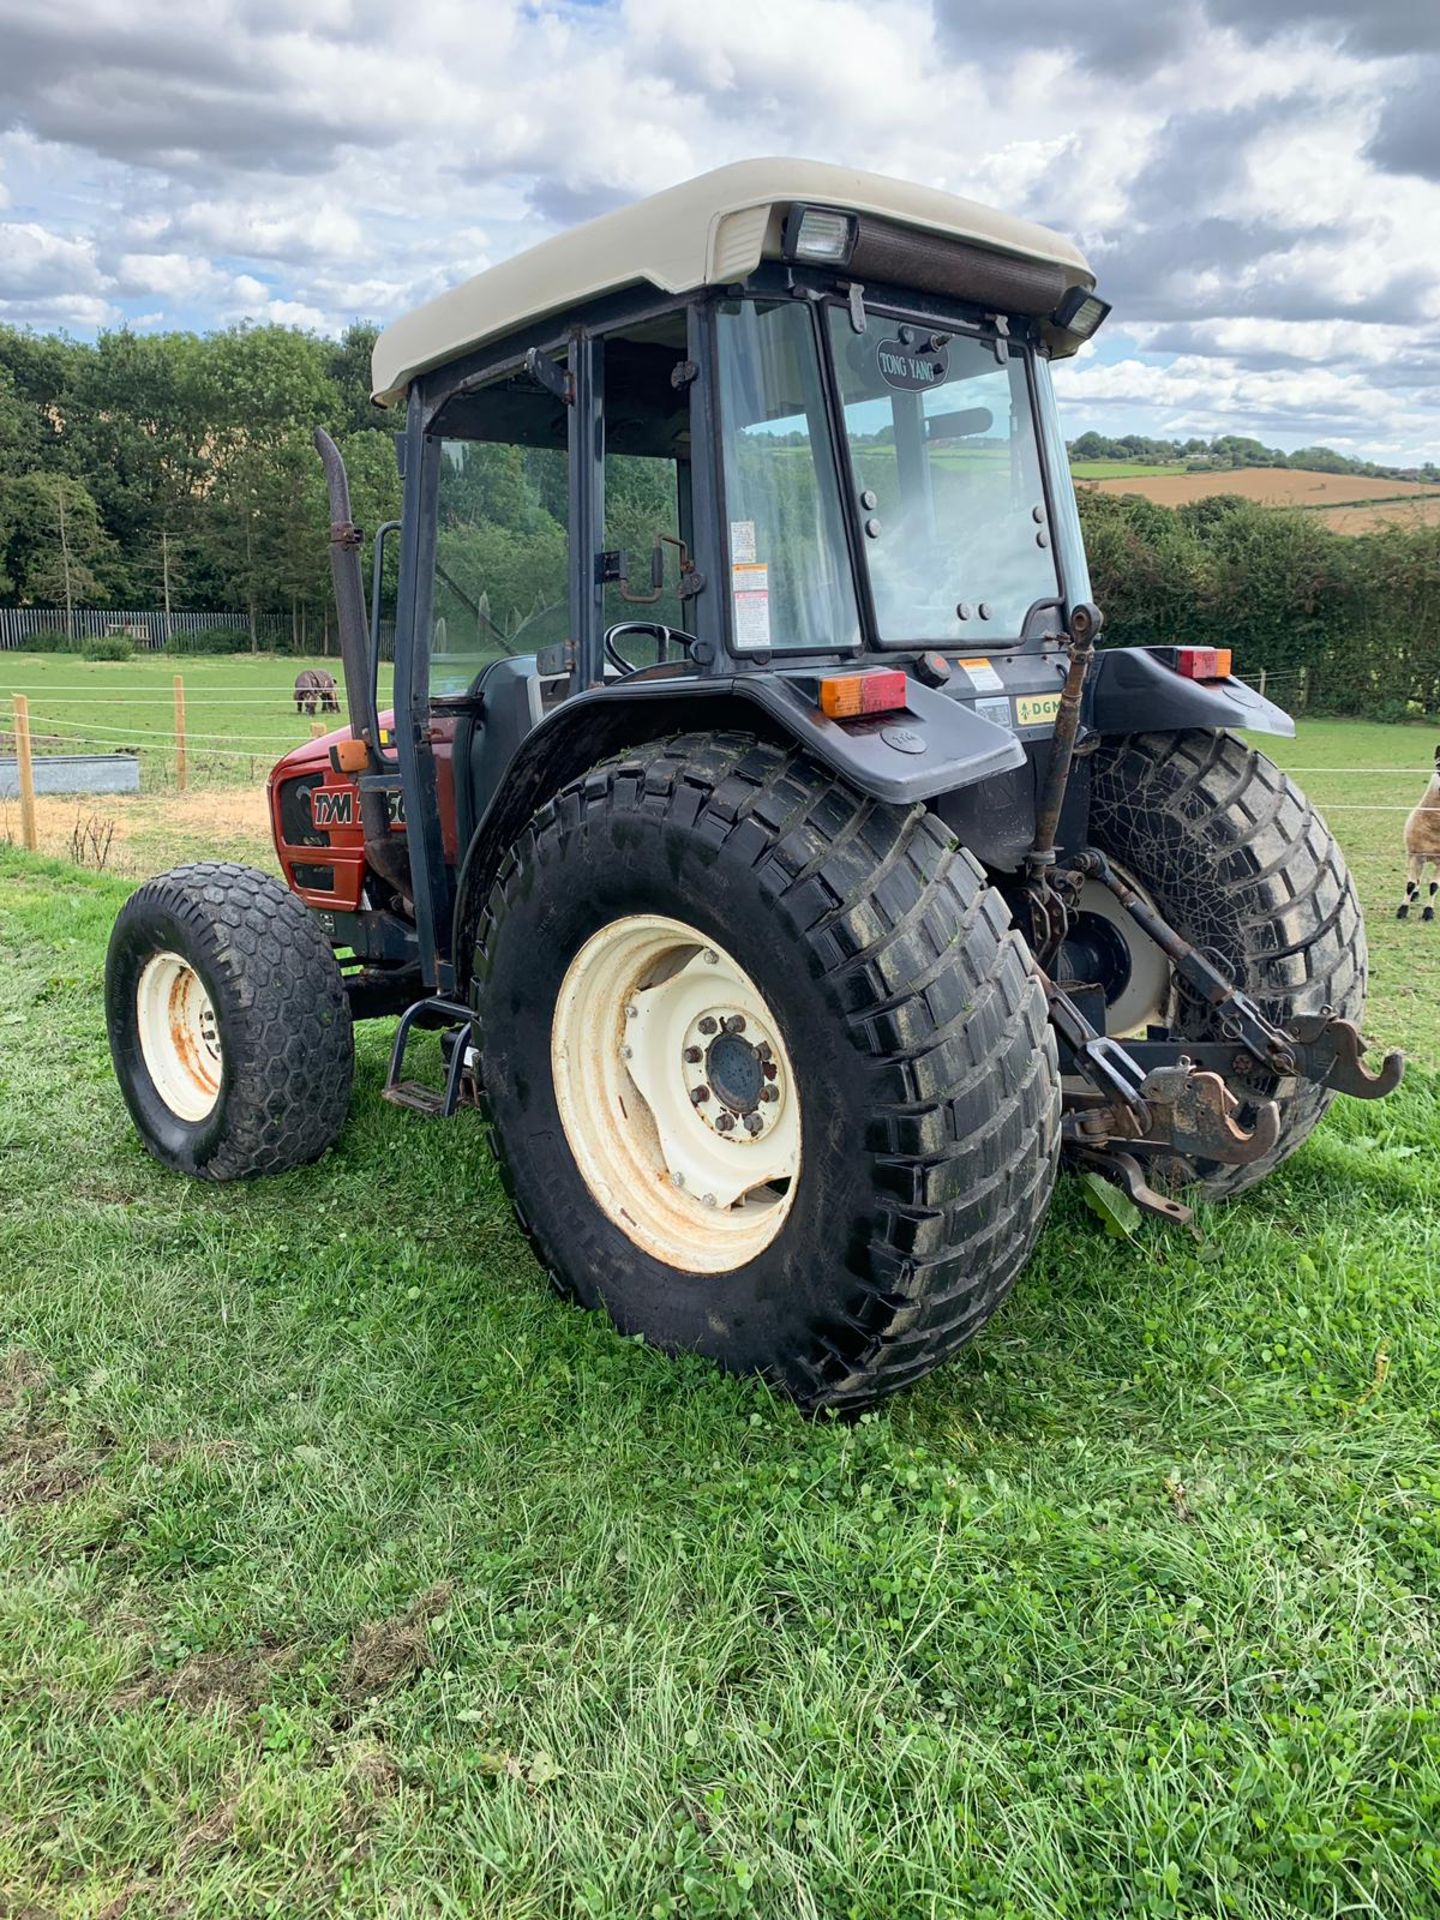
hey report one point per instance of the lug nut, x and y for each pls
(734, 1023)
(693, 1056)
(712, 959)
(725, 1123)
(769, 1069)
(769, 1093)
(753, 1123)
(709, 1025)
(762, 1050)
(700, 1095)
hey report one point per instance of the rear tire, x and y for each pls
(904, 1006)
(228, 1021)
(1239, 862)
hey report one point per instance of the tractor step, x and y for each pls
(460, 1086)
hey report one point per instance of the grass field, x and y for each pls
(345, 1571)
(1366, 777)
(239, 712)
(239, 716)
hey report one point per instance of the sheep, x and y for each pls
(314, 687)
(1422, 848)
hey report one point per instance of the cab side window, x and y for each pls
(501, 583)
(647, 475)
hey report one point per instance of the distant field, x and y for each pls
(1384, 513)
(1273, 486)
(1116, 469)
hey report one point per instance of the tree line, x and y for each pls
(181, 461)
(1228, 451)
(139, 456)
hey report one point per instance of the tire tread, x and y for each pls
(969, 1101)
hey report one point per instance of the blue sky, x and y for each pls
(1257, 181)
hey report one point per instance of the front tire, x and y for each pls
(1238, 861)
(869, 963)
(229, 1026)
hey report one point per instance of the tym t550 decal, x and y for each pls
(335, 807)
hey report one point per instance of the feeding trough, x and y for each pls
(74, 773)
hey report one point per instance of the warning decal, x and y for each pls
(750, 588)
(983, 676)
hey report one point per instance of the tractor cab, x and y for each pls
(789, 873)
(781, 438)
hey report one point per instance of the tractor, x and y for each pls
(792, 877)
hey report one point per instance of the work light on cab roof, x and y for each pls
(790, 874)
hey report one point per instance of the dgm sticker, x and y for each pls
(1036, 709)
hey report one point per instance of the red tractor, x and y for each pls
(791, 875)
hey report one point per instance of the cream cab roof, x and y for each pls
(710, 231)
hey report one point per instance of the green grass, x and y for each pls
(1365, 777)
(1121, 469)
(345, 1571)
(239, 711)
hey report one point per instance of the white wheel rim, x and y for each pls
(685, 1126)
(1145, 999)
(179, 1036)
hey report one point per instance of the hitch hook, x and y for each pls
(1332, 1051)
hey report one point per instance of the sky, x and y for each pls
(1256, 182)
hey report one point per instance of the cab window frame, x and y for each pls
(765, 288)
(892, 306)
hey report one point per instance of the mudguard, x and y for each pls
(1133, 691)
(935, 745)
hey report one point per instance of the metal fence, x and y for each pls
(144, 627)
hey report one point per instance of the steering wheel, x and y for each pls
(659, 633)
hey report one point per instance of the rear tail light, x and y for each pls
(845, 696)
(1203, 663)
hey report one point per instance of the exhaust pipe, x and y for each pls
(386, 853)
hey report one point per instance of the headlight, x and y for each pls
(821, 234)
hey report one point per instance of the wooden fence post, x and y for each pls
(182, 770)
(26, 767)
(1262, 683)
(1304, 700)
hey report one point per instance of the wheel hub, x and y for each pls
(731, 1074)
(686, 1124)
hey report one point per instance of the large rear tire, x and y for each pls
(891, 1084)
(1240, 863)
(229, 1026)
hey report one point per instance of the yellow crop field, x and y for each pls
(1277, 487)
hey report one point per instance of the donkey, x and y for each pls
(1422, 848)
(314, 687)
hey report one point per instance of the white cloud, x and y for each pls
(323, 160)
(36, 262)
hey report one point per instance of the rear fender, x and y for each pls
(1133, 691)
(945, 746)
